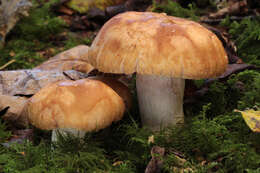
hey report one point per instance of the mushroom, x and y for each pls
(121, 89)
(76, 107)
(163, 51)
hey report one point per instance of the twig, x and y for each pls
(232, 18)
(8, 63)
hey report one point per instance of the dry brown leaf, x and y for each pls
(26, 83)
(117, 163)
(72, 59)
(156, 163)
(231, 9)
(65, 10)
(12, 53)
(14, 106)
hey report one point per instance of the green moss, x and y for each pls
(241, 91)
(31, 35)
(224, 142)
(73, 41)
(218, 141)
(4, 133)
(246, 35)
(249, 92)
(175, 9)
(212, 132)
(40, 31)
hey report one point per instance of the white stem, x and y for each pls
(63, 132)
(160, 100)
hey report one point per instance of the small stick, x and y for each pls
(8, 63)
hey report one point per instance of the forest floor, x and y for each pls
(214, 138)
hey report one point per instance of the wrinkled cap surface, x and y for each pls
(83, 105)
(154, 43)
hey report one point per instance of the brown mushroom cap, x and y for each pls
(121, 89)
(154, 43)
(83, 105)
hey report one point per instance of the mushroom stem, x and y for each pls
(160, 100)
(64, 132)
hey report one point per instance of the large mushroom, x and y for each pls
(163, 51)
(75, 107)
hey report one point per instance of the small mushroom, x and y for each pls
(121, 89)
(75, 107)
(163, 51)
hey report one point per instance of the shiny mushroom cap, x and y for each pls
(154, 43)
(85, 105)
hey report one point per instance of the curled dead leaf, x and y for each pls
(72, 59)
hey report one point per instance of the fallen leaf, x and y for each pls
(22, 153)
(65, 10)
(12, 53)
(232, 9)
(252, 119)
(17, 86)
(151, 139)
(28, 82)
(72, 59)
(232, 69)
(117, 163)
(13, 106)
(156, 163)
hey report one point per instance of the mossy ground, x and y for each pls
(213, 139)
(37, 37)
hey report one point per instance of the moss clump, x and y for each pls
(4, 133)
(36, 34)
(246, 35)
(224, 143)
(240, 91)
(83, 6)
(31, 35)
(218, 142)
(248, 91)
(213, 139)
(174, 9)
(96, 154)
